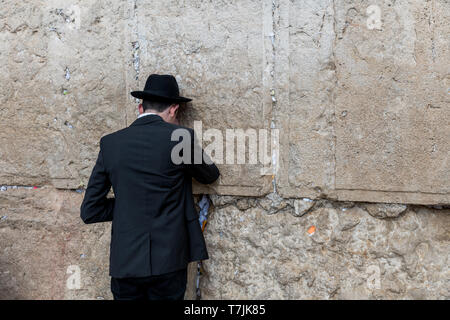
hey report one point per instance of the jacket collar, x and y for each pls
(146, 120)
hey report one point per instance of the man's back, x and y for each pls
(155, 228)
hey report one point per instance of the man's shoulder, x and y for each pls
(168, 127)
(111, 136)
(175, 129)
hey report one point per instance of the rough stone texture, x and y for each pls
(254, 255)
(49, 135)
(302, 206)
(370, 105)
(388, 210)
(216, 50)
(41, 236)
(306, 79)
(362, 116)
(392, 101)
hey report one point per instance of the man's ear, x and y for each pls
(141, 109)
(173, 110)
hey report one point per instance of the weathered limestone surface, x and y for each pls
(392, 101)
(216, 50)
(306, 79)
(42, 235)
(256, 255)
(253, 254)
(366, 113)
(42, 240)
(362, 112)
(62, 88)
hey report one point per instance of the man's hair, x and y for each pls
(158, 106)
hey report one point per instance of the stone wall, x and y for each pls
(41, 236)
(303, 249)
(358, 91)
(44, 245)
(262, 248)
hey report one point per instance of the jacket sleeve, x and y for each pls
(204, 171)
(96, 207)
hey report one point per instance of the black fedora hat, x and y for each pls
(161, 88)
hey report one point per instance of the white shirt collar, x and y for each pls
(145, 114)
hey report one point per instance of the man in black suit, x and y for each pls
(155, 229)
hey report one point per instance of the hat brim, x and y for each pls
(147, 95)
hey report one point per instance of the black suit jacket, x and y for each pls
(155, 226)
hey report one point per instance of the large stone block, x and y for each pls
(392, 129)
(335, 251)
(364, 111)
(305, 80)
(217, 51)
(63, 87)
(43, 241)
